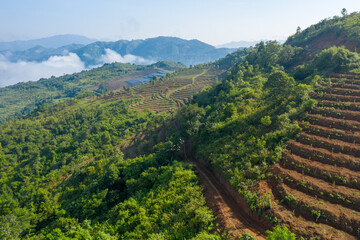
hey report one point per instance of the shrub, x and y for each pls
(266, 120)
(247, 236)
(280, 233)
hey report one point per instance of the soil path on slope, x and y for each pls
(231, 217)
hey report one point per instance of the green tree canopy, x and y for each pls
(279, 84)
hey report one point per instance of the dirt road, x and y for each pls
(231, 217)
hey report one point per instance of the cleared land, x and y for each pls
(316, 187)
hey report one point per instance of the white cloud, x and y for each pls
(15, 72)
(12, 73)
(112, 56)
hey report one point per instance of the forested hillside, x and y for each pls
(277, 122)
(240, 126)
(62, 177)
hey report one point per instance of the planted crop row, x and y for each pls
(345, 85)
(329, 173)
(321, 189)
(337, 113)
(340, 105)
(346, 75)
(324, 156)
(320, 211)
(335, 97)
(331, 133)
(332, 145)
(348, 125)
(343, 91)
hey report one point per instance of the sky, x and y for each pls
(211, 21)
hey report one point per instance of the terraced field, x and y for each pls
(169, 93)
(316, 187)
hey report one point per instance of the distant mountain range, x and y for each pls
(239, 44)
(150, 50)
(48, 42)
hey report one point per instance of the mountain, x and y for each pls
(188, 52)
(239, 44)
(40, 53)
(47, 42)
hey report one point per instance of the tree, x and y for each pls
(190, 119)
(279, 84)
(10, 227)
(336, 59)
(266, 120)
(344, 12)
(298, 30)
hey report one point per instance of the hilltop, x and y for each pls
(335, 31)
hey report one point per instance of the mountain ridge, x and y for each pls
(55, 41)
(188, 52)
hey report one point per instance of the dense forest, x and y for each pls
(63, 175)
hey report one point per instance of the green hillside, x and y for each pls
(22, 98)
(62, 177)
(280, 123)
(240, 127)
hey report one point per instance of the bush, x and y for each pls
(336, 59)
(280, 233)
(247, 236)
(266, 120)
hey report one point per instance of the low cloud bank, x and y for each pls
(111, 56)
(15, 72)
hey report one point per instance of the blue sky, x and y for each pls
(211, 21)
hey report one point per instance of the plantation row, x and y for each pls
(316, 187)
